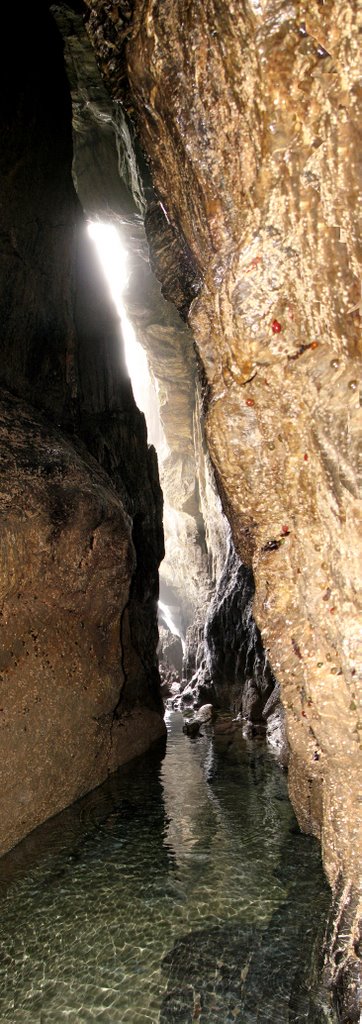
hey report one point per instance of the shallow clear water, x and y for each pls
(180, 891)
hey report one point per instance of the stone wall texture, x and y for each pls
(248, 115)
(81, 506)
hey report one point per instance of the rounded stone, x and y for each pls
(205, 713)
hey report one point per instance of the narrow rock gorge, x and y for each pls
(221, 140)
(248, 117)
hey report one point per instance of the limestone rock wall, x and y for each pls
(248, 115)
(80, 498)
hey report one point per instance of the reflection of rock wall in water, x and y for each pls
(248, 116)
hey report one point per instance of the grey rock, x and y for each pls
(206, 713)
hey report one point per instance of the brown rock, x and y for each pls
(67, 560)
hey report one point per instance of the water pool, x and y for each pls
(179, 891)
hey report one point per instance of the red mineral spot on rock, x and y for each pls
(296, 647)
(276, 327)
(250, 401)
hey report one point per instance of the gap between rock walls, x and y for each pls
(202, 145)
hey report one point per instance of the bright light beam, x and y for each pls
(113, 258)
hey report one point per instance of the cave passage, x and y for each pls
(113, 258)
(180, 890)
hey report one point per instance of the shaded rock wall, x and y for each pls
(232, 669)
(248, 115)
(81, 503)
(225, 662)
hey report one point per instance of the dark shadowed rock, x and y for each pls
(81, 502)
(192, 728)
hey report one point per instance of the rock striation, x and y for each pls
(248, 117)
(81, 502)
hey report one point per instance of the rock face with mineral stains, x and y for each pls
(81, 504)
(248, 116)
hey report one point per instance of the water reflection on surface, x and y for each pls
(181, 890)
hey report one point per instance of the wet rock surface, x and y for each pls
(191, 728)
(205, 713)
(229, 972)
(232, 668)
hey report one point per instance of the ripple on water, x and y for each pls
(162, 897)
